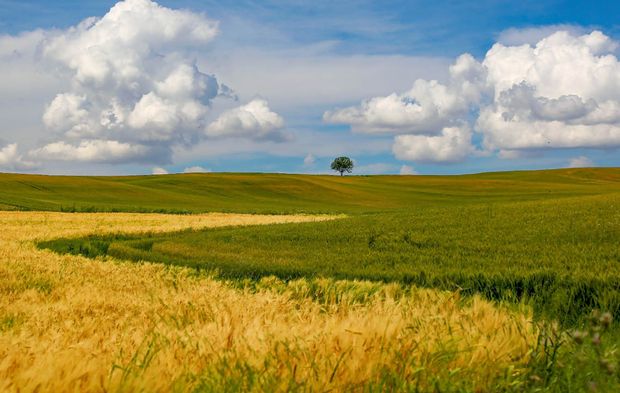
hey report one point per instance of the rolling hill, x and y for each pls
(281, 193)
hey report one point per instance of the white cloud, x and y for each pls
(452, 145)
(131, 90)
(159, 171)
(428, 119)
(253, 120)
(407, 170)
(12, 160)
(562, 92)
(309, 160)
(95, 150)
(134, 86)
(8, 154)
(426, 108)
(196, 169)
(116, 49)
(68, 113)
(581, 162)
(414, 111)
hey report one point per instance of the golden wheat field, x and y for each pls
(71, 324)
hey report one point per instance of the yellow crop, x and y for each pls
(71, 324)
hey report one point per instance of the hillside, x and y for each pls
(279, 193)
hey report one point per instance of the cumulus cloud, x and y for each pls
(428, 119)
(12, 160)
(196, 169)
(159, 171)
(580, 162)
(452, 145)
(561, 92)
(96, 150)
(253, 120)
(407, 170)
(425, 109)
(134, 86)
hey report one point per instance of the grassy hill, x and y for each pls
(275, 193)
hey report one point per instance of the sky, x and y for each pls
(401, 87)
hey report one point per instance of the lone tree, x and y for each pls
(342, 165)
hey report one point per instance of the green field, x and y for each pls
(273, 193)
(546, 239)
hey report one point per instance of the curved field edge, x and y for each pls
(68, 323)
(560, 256)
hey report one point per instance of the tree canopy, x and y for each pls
(342, 165)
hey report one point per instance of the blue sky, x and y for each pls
(309, 58)
(402, 27)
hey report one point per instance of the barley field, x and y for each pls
(72, 324)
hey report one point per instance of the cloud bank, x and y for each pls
(134, 89)
(11, 159)
(254, 120)
(563, 92)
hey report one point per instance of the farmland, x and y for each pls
(280, 194)
(560, 256)
(70, 324)
(461, 283)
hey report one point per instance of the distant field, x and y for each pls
(273, 193)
